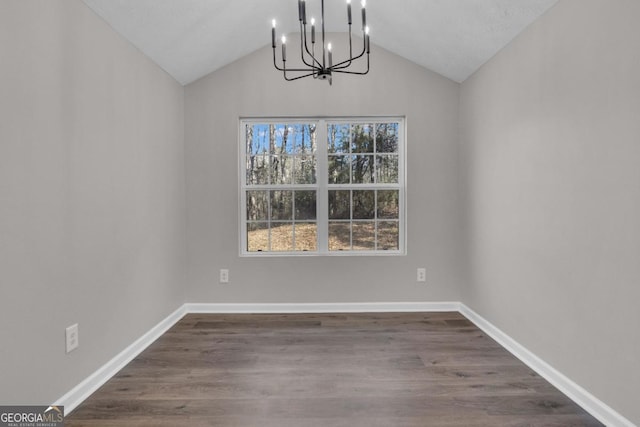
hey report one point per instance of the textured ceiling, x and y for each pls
(191, 38)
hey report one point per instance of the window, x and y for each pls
(322, 186)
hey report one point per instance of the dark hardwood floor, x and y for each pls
(383, 369)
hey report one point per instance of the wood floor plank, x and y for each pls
(363, 369)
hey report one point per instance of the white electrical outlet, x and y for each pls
(73, 339)
(224, 275)
(422, 275)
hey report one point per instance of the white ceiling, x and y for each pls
(191, 38)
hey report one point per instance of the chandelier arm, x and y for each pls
(285, 69)
(361, 73)
(290, 79)
(275, 64)
(346, 63)
(303, 45)
(303, 48)
(313, 54)
(350, 42)
(311, 71)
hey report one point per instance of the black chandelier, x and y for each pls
(320, 67)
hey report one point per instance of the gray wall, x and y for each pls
(551, 135)
(251, 87)
(92, 200)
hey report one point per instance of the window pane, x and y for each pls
(339, 236)
(281, 169)
(257, 139)
(304, 138)
(304, 169)
(362, 169)
(364, 204)
(281, 141)
(306, 236)
(339, 204)
(282, 237)
(281, 205)
(339, 167)
(257, 237)
(388, 236)
(388, 204)
(364, 236)
(387, 138)
(338, 136)
(257, 205)
(305, 205)
(387, 169)
(258, 169)
(362, 138)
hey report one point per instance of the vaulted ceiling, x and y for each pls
(191, 38)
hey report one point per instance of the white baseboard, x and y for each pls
(367, 307)
(579, 395)
(93, 382)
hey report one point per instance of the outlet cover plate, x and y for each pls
(224, 275)
(73, 339)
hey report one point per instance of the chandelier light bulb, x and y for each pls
(273, 34)
(284, 48)
(273, 23)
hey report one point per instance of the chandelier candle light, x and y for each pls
(322, 66)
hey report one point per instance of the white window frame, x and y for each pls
(322, 186)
